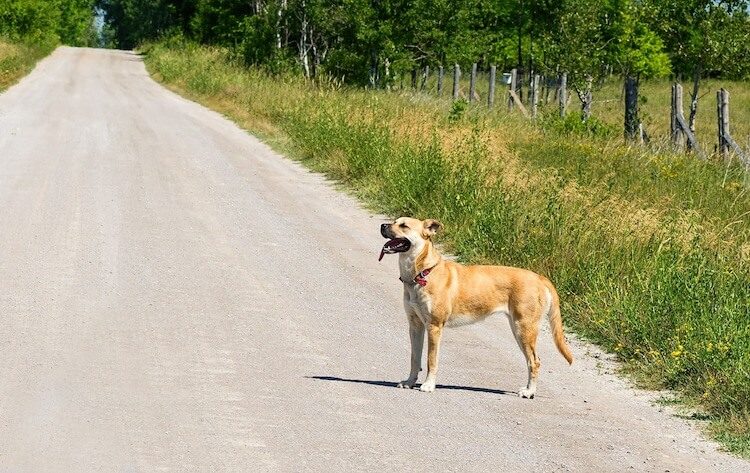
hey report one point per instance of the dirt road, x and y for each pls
(175, 296)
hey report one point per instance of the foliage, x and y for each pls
(48, 21)
(381, 42)
(708, 35)
(133, 21)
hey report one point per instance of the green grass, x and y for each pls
(650, 250)
(18, 59)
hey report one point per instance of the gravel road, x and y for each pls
(175, 296)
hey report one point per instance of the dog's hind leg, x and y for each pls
(434, 333)
(526, 335)
(416, 336)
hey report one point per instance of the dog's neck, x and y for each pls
(421, 257)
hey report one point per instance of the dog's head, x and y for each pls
(407, 234)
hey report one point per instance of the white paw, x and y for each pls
(527, 393)
(406, 384)
(427, 386)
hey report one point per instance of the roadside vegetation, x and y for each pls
(17, 60)
(650, 249)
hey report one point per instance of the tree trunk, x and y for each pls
(373, 79)
(520, 34)
(314, 50)
(631, 108)
(586, 99)
(303, 42)
(387, 72)
(279, 17)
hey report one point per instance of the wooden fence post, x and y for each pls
(441, 73)
(456, 79)
(562, 94)
(677, 113)
(674, 128)
(680, 129)
(720, 122)
(491, 93)
(513, 88)
(726, 142)
(722, 104)
(513, 99)
(473, 82)
(534, 95)
(425, 77)
(631, 108)
(588, 99)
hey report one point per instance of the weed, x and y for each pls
(458, 109)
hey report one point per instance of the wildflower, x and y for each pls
(676, 353)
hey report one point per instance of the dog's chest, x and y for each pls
(420, 301)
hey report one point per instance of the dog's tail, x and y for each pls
(555, 323)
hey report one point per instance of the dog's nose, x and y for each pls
(383, 229)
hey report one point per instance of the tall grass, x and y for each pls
(17, 60)
(651, 251)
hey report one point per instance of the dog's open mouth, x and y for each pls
(395, 245)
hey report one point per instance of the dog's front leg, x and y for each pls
(434, 332)
(416, 336)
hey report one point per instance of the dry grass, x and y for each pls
(17, 60)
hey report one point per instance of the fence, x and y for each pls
(539, 89)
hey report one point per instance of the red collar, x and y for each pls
(420, 278)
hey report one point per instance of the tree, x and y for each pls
(701, 36)
(134, 21)
(66, 21)
(591, 37)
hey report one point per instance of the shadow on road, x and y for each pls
(392, 385)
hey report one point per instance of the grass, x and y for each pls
(18, 59)
(650, 249)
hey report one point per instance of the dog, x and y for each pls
(440, 293)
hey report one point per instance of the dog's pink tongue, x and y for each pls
(382, 252)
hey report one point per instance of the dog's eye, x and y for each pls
(403, 225)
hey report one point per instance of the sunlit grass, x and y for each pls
(650, 249)
(17, 59)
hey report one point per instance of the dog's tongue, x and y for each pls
(388, 247)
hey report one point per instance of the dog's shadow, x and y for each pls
(389, 384)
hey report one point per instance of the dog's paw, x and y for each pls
(427, 386)
(406, 384)
(527, 393)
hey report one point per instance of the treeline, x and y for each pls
(49, 21)
(374, 41)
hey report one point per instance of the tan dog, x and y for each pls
(439, 293)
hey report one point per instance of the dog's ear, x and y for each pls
(431, 227)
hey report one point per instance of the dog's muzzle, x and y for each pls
(394, 244)
(385, 230)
